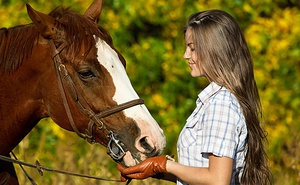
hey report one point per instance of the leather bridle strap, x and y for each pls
(55, 56)
(119, 108)
(63, 76)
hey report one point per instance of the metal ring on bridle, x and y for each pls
(100, 127)
(61, 67)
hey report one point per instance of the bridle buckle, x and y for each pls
(115, 148)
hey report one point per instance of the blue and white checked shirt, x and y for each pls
(216, 126)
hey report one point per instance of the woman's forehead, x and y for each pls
(188, 37)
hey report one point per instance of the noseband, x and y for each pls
(115, 148)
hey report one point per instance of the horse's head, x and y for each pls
(100, 103)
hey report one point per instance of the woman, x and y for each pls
(222, 141)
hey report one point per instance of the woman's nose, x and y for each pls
(186, 55)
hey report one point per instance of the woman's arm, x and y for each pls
(219, 171)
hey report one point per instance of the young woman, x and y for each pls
(222, 141)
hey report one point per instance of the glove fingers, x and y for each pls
(123, 178)
(120, 167)
(131, 170)
(140, 176)
(127, 174)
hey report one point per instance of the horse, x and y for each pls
(64, 66)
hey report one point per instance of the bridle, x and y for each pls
(115, 148)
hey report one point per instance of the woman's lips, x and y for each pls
(191, 64)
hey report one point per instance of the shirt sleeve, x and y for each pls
(219, 129)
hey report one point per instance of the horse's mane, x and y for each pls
(16, 43)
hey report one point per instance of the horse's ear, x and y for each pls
(44, 23)
(94, 11)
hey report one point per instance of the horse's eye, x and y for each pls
(87, 73)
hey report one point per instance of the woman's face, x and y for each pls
(191, 56)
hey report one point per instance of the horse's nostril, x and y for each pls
(147, 145)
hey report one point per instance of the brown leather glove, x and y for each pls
(145, 169)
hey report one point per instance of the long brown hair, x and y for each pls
(226, 60)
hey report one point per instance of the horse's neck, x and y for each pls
(14, 129)
(19, 114)
(21, 103)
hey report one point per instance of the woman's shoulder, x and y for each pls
(225, 98)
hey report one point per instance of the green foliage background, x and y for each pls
(149, 35)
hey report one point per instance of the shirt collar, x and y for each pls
(210, 90)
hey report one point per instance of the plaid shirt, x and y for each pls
(216, 126)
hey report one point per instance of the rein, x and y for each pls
(41, 168)
(115, 148)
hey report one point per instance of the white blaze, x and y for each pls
(125, 92)
(110, 60)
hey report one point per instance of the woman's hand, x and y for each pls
(145, 169)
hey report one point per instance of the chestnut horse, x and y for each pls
(64, 66)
